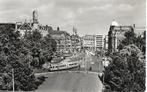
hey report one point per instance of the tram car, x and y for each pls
(63, 66)
(60, 66)
(73, 64)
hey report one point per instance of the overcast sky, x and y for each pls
(88, 16)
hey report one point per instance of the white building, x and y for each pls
(32, 25)
(92, 42)
(106, 42)
(98, 41)
(116, 35)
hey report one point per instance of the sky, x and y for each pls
(87, 16)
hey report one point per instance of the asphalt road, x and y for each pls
(93, 62)
(71, 82)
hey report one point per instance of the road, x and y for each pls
(71, 82)
(93, 62)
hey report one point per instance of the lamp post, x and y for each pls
(85, 62)
(13, 80)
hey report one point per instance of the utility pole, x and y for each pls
(85, 62)
(13, 80)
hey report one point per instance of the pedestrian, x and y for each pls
(90, 69)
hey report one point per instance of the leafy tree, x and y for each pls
(126, 72)
(41, 48)
(141, 42)
(11, 58)
(130, 38)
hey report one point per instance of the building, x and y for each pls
(62, 39)
(88, 42)
(139, 30)
(32, 25)
(76, 41)
(116, 35)
(8, 25)
(106, 43)
(98, 41)
(92, 42)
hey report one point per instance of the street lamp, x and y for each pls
(13, 80)
(85, 62)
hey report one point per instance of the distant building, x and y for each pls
(139, 30)
(98, 41)
(106, 42)
(92, 42)
(76, 41)
(88, 42)
(116, 35)
(6, 25)
(62, 39)
(32, 25)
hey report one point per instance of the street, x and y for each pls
(71, 82)
(75, 80)
(72, 45)
(92, 61)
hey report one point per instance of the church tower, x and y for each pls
(35, 20)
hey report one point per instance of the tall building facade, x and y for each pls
(92, 42)
(35, 17)
(62, 39)
(116, 35)
(35, 20)
(98, 41)
(76, 41)
(106, 42)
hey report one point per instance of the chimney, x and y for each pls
(58, 28)
(16, 26)
(30, 23)
(133, 25)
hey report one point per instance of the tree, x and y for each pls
(141, 42)
(41, 48)
(10, 58)
(130, 38)
(126, 72)
(32, 43)
(50, 43)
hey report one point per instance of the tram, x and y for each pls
(63, 66)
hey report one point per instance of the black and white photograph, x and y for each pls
(72, 45)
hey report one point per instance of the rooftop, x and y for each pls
(58, 32)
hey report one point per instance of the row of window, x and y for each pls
(58, 66)
(72, 64)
